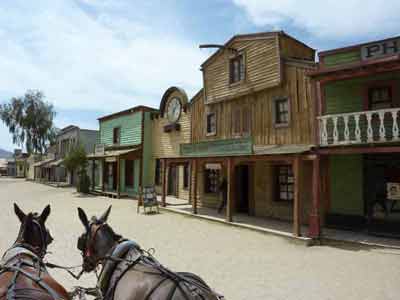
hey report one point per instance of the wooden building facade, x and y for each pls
(121, 162)
(253, 126)
(171, 127)
(358, 115)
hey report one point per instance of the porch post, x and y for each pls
(118, 180)
(103, 168)
(314, 221)
(296, 204)
(231, 192)
(93, 174)
(194, 200)
(164, 182)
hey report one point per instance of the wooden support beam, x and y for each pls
(297, 201)
(230, 171)
(314, 221)
(118, 179)
(93, 174)
(164, 183)
(104, 171)
(195, 178)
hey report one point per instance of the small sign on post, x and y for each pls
(99, 149)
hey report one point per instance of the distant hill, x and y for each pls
(5, 154)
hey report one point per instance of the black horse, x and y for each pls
(130, 273)
(23, 274)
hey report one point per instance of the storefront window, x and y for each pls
(211, 180)
(285, 183)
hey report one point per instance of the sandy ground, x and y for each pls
(239, 263)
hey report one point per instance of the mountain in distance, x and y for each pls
(5, 153)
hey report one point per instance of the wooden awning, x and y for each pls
(43, 162)
(113, 153)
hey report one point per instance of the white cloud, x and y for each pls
(100, 61)
(329, 19)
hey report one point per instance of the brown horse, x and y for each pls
(23, 274)
(131, 273)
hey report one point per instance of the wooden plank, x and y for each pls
(359, 150)
(297, 201)
(231, 189)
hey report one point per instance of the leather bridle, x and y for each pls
(42, 249)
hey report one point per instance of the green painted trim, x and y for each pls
(337, 59)
(241, 146)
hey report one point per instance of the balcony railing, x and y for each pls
(373, 126)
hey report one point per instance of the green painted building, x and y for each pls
(359, 103)
(120, 162)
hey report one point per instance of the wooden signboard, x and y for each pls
(240, 146)
(99, 149)
(380, 49)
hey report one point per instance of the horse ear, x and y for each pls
(20, 214)
(45, 213)
(83, 218)
(104, 217)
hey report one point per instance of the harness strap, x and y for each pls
(38, 281)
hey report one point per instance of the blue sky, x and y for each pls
(94, 57)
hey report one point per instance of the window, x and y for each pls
(186, 176)
(285, 183)
(241, 121)
(211, 180)
(158, 172)
(211, 124)
(129, 177)
(116, 135)
(281, 111)
(236, 69)
(380, 97)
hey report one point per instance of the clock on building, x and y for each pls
(174, 109)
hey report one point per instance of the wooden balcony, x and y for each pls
(373, 126)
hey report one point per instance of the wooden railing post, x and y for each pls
(231, 189)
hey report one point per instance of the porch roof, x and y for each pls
(43, 162)
(113, 153)
(281, 149)
(56, 163)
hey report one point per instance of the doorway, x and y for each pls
(242, 189)
(381, 209)
(173, 181)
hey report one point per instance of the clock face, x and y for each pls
(174, 110)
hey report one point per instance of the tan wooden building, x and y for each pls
(253, 124)
(171, 127)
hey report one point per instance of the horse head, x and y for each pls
(33, 233)
(97, 240)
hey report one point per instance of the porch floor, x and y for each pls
(281, 228)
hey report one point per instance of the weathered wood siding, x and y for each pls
(131, 129)
(290, 48)
(296, 87)
(262, 65)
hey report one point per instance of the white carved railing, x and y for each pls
(373, 126)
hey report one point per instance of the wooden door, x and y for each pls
(242, 189)
(173, 181)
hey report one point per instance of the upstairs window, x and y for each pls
(236, 69)
(241, 121)
(285, 183)
(116, 135)
(211, 125)
(281, 111)
(380, 97)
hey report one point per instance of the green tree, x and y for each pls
(30, 121)
(76, 160)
